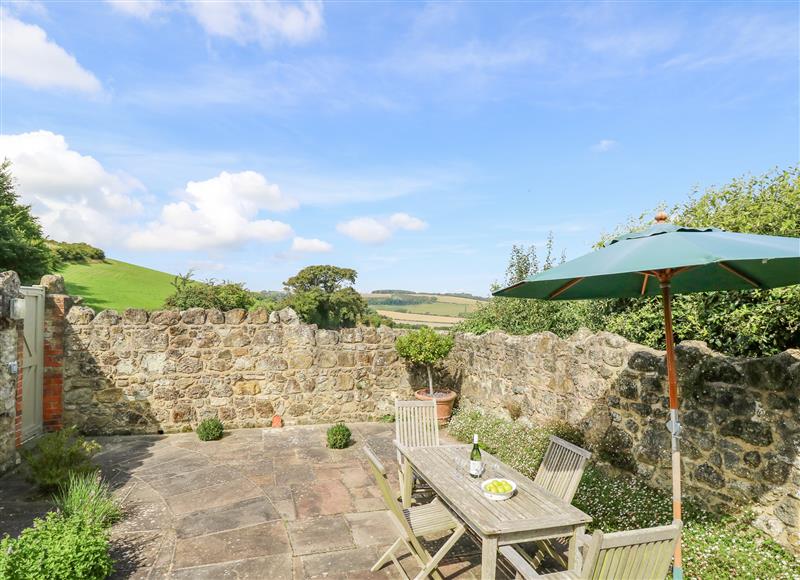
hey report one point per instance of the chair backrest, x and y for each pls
(415, 424)
(562, 468)
(642, 554)
(389, 498)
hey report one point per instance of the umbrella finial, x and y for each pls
(661, 217)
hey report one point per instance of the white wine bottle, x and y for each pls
(475, 463)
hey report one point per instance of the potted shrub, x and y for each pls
(427, 347)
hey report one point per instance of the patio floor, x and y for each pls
(257, 504)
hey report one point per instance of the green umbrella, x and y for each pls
(667, 259)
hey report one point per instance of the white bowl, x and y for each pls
(498, 496)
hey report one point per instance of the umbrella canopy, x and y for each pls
(666, 259)
(701, 260)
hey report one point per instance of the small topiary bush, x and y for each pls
(57, 548)
(339, 436)
(210, 430)
(89, 498)
(56, 456)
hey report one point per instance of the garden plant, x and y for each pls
(339, 436)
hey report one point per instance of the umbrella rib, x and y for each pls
(736, 272)
(564, 288)
(644, 284)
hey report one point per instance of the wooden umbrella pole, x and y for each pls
(673, 425)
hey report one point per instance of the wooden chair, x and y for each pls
(562, 468)
(560, 473)
(414, 523)
(636, 554)
(415, 425)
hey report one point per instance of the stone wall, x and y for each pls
(167, 370)
(741, 438)
(9, 352)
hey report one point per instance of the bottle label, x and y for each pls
(475, 468)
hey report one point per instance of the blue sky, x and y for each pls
(414, 142)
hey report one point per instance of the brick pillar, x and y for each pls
(18, 416)
(55, 309)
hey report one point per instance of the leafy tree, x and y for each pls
(517, 316)
(23, 247)
(426, 347)
(746, 323)
(324, 295)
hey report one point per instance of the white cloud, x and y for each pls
(604, 146)
(260, 21)
(75, 197)
(30, 58)
(310, 245)
(365, 229)
(142, 9)
(374, 231)
(219, 212)
(404, 221)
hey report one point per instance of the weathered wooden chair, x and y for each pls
(415, 425)
(414, 523)
(562, 468)
(560, 473)
(636, 554)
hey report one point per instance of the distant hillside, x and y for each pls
(453, 294)
(425, 309)
(112, 284)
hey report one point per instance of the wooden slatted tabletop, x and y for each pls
(532, 513)
(531, 507)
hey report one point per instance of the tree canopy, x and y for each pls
(324, 295)
(23, 247)
(747, 323)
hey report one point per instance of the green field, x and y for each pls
(117, 285)
(435, 308)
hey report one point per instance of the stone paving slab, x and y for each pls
(268, 504)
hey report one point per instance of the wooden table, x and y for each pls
(531, 514)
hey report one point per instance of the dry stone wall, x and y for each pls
(9, 345)
(140, 372)
(741, 439)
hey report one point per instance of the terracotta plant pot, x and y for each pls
(444, 405)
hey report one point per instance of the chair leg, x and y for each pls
(388, 555)
(434, 561)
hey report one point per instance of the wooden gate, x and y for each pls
(32, 361)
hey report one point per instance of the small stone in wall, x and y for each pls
(53, 284)
(110, 317)
(754, 433)
(193, 316)
(165, 317)
(235, 316)
(134, 316)
(709, 475)
(80, 315)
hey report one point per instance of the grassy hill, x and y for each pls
(118, 285)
